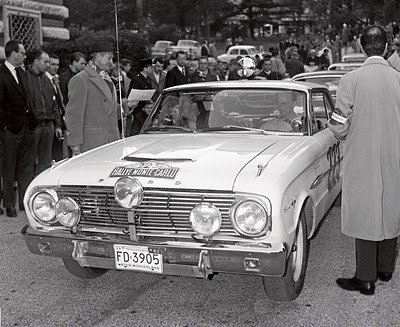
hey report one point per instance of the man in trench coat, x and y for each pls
(367, 115)
(91, 112)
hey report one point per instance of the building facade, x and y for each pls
(32, 22)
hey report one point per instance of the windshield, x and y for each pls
(245, 110)
(330, 82)
(187, 43)
(161, 45)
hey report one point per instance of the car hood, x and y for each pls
(196, 161)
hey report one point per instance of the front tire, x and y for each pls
(288, 287)
(82, 272)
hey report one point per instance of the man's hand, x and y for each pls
(59, 133)
(132, 103)
(76, 149)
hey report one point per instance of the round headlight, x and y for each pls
(205, 219)
(67, 212)
(250, 218)
(128, 192)
(43, 207)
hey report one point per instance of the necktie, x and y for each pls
(183, 72)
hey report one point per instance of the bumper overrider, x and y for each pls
(179, 258)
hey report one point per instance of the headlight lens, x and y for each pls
(43, 207)
(128, 192)
(250, 218)
(205, 219)
(68, 212)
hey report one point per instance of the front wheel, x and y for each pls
(288, 287)
(82, 272)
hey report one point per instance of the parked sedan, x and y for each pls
(345, 66)
(160, 49)
(225, 177)
(238, 50)
(330, 79)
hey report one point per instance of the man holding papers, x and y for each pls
(137, 99)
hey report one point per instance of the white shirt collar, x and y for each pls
(49, 76)
(10, 66)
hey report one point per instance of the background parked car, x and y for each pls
(160, 48)
(190, 47)
(239, 50)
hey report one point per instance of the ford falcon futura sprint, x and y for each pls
(224, 177)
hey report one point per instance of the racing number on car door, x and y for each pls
(334, 158)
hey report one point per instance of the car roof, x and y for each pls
(241, 46)
(321, 73)
(346, 64)
(251, 84)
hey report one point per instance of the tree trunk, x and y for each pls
(140, 20)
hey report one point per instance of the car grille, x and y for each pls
(161, 211)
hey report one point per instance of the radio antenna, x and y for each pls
(121, 112)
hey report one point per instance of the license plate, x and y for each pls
(138, 258)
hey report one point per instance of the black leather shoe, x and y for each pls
(385, 277)
(1, 211)
(21, 207)
(354, 284)
(11, 212)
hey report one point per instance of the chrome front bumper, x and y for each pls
(191, 259)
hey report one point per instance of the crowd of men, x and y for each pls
(45, 116)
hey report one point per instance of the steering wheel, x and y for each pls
(276, 123)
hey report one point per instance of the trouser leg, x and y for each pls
(11, 148)
(366, 260)
(25, 164)
(387, 255)
(44, 145)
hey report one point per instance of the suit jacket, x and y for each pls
(158, 86)
(175, 77)
(91, 112)
(15, 109)
(64, 79)
(126, 82)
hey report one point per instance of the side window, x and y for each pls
(320, 106)
(243, 52)
(234, 51)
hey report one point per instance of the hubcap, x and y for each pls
(298, 254)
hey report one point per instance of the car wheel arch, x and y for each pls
(306, 204)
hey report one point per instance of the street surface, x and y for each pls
(38, 291)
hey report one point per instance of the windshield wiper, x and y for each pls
(237, 128)
(169, 127)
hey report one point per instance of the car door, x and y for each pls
(327, 182)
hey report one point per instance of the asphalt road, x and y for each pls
(38, 291)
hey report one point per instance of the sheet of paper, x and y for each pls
(140, 95)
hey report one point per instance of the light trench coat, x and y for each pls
(370, 99)
(91, 111)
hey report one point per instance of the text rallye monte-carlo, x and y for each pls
(225, 177)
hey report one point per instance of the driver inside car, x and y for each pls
(287, 115)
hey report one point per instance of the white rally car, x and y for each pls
(225, 177)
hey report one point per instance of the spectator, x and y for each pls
(205, 50)
(91, 113)
(117, 79)
(77, 64)
(192, 67)
(312, 60)
(265, 73)
(346, 37)
(157, 77)
(57, 152)
(45, 109)
(213, 50)
(277, 67)
(338, 45)
(126, 66)
(324, 62)
(294, 66)
(17, 123)
(202, 73)
(139, 82)
(366, 98)
(141, 116)
(394, 59)
(178, 75)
